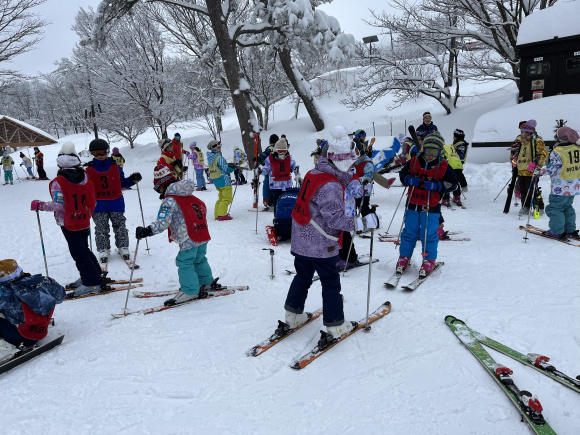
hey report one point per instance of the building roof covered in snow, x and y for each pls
(16, 133)
(558, 21)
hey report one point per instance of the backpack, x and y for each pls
(35, 326)
(283, 213)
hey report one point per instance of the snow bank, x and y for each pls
(560, 20)
(501, 125)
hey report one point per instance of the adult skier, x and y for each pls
(240, 159)
(7, 164)
(74, 216)
(39, 159)
(26, 306)
(186, 217)
(219, 172)
(108, 180)
(427, 127)
(28, 165)
(196, 156)
(278, 169)
(169, 159)
(428, 175)
(564, 171)
(528, 151)
(318, 221)
(261, 161)
(118, 157)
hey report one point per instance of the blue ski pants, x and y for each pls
(562, 215)
(199, 177)
(8, 175)
(266, 188)
(194, 270)
(333, 312)
(415, 227)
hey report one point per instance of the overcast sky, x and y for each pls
(59, 39)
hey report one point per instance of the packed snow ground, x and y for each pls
(184, 371)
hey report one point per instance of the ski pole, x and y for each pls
(527, 194)
(131, 277)
(394, 214)
(42, 242)
(367, 327)
(142, 217)
(90, 238)
(356, 215)
(426, 209)
(16, 172)
(508, 182)
(257, 195)
(272, 276)
(534, 182)
(398, 242)
(235, 190)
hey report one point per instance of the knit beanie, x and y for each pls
(213, 145)
(115, 150)
(340, 151)
(163, 143)
(5, 154)
(529, 126)
(281, 145)
(426, 114)
(434, 140)
(162, 176)
(9, 271)
(568, 134)
(67, 156)
(21, 154)
(273, 139)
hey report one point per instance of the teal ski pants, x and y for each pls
(562, 215)
(193, 269)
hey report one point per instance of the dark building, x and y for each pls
(549, 49)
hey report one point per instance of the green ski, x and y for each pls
(527, 404)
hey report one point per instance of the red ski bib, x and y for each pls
(194, 212)
(281, 169)
(35, 326)
(420, 195)
(107, 184)
(360, 169)
(79, 203)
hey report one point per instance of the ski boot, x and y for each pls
(83, 290)
(426, 268)
(214, 286)
(7, 351)
(225, 218)
(465, 189)
(573, 235)
(524, 211)
(441, 233)
(182, 297)
(11, 182)
(555, 236)
(293, 320)
(402, 264)
(104, 256)
(446, 203)
(457, 200)
(333, 333)
(125, 253)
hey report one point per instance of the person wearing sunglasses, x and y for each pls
(109, 180)
(428, 176)
(279, 167)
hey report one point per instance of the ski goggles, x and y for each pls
(98, 153)
(282, 151)
(432, 152)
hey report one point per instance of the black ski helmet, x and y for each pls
(98, 144)
(273, 139)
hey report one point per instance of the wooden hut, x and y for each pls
(17, 134)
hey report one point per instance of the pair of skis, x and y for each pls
(391, 238)
(394, 279)
(325, 343)
(109, 289)
(223, 291)
(527, 404)
(539, 232)
(28, 353)
(105, 265)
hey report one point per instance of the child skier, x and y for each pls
(564, 172)
(528, 151)
(28, 165)
(261, 161)
(318, 220)
(73, 216)
(455, 161)
(427, 127)
(428, 175)
(320, 143)
(7, 163)
(219, 172)
(26, 306)
(118, 157)
(240, 159)
(169, 159)
(278, 168)
(108, 180)
(365, 171)
(39, 158)
(185, 216)
(196, 156)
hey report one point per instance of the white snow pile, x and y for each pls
(501, 125)
(560, 20)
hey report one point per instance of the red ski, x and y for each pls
(272, 237)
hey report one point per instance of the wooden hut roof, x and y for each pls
(16, 134)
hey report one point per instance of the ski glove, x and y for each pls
(531, 167)
(433, 185)
(135, 177)
(233, 165)
(37, 205)
(142, 232)
(412, 181)
(370, 221)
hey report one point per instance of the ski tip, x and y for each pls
(387, 304)
(252, 352)
(296, 366)
(449, 319)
